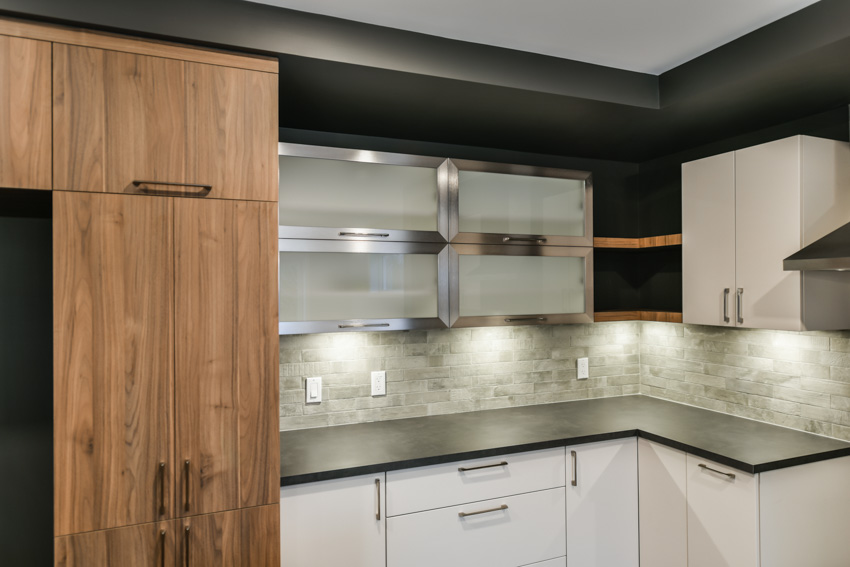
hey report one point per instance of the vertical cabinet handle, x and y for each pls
(161, 476)
(186, 546)
(574, 459)
(378, 492)
(188, 480)
(162, 547)
(740, 296)
(726, 305)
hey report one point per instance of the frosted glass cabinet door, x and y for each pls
(503, 285)
(340, 194)
(509, 204)
(330, 286)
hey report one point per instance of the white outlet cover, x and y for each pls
(379, 383)
(314, 390)
(583, 369)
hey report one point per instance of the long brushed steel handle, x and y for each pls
(514, 319)
(378, 493)
(708, 468)
(574, 468)
(187, 464)
(499, 509)
(375, 234)
(161, 476)
(740, 296)
(466, 469)
(362, 325)
(204, 189)
(726, 305)
(519, 239)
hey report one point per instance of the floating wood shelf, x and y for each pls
(662, 316)
(637, 243)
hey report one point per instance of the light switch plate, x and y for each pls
(379, 383)
(314, 390)
(583, 370)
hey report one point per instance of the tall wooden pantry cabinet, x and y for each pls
(164, 174)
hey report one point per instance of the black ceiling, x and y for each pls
(346, 77)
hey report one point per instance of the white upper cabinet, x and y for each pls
(495, 203)
(743, 213)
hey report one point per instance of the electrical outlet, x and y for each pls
(379, 383)
(314, 390)
(583, 370)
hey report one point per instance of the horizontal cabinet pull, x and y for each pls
(362, 325)
(514, 319)
(378, 234)
(518, 239)
(708, 468)
(499, 509)
(204, 189)
(466, 469)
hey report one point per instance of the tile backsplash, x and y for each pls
(798, 380)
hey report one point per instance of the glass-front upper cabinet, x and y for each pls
(494, 203)
(328, 286)
(518, 285)
(342, 194)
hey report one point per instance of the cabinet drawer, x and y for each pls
(521, 530)
(427, 488)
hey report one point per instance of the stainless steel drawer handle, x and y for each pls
(378, 492)
(574, 469)
(740, 304)
(376, 234)
(515, 319)
(467, 469)
(518, 239)
(726, 305)
(362, 325)
(204, 189)
(708, 468)
(499, 509)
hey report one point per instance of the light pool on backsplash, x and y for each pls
(798, 380)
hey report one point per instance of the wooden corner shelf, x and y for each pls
(638, 243)
(638, 315)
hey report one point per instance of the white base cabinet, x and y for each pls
(663, 505)
(333, 523)
(602, 504)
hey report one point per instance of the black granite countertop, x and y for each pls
(310, 455)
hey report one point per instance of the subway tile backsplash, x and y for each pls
(798, 380)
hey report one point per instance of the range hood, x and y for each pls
(832, 252)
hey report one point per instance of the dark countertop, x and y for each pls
(310, 455)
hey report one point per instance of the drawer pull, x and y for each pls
(187, 475)
(375, 234)
(162, 534)
(518, 239)
(362, 325)
(708, 468)
(574, 479)
(467, 469)
(525, 319)
(161, 476)
(378, 491)
(204, 188)
(499, 509)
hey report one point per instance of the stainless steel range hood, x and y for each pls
(832, 252)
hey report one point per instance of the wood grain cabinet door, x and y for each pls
(238, 538)
(122, 118)
(148, 545)
(25, 129)
(226, 355)
(113, 360)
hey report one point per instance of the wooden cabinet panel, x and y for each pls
(261, 536)
(257, 351)
(602, 506)
(113, 360)
(146, 545)
(25, 129)
(121, 117)
(206, 389)
(212, 540)
(232, 126)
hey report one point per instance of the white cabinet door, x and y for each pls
(767, 226)
(602, 504)
(663, 505)
(722, 516)
(506, 532)
(708, 241)
(333, 523)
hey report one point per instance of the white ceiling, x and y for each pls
(649, 36)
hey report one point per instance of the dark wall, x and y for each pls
(26, 379)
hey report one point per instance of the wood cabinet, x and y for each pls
(144, 545)
(113, 360)
(336, 522)
(25, 128)
(745, 212)
(602, 504)
(122, 118)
